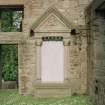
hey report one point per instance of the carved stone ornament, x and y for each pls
(52, 21)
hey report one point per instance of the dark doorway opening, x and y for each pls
(8, 66)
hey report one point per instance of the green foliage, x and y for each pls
(9, 59)
(10, 20)
(6, 21)
(11, 97)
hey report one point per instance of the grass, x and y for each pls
(11, 97)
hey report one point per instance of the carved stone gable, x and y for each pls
(52, 21)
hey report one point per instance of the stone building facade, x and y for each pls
(63, 20)
(96, 50)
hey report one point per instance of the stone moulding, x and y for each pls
(50, 18)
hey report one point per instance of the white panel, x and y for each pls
(52, 62)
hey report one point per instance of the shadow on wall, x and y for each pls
(95, 20)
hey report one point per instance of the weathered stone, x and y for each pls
(96, 52)
(54, 18)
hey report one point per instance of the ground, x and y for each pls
(11, 97)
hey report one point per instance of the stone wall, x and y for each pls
(96, 51)
(74, 12)
(90, 50)
(9, 85)
(100, 92)
(99, 63)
